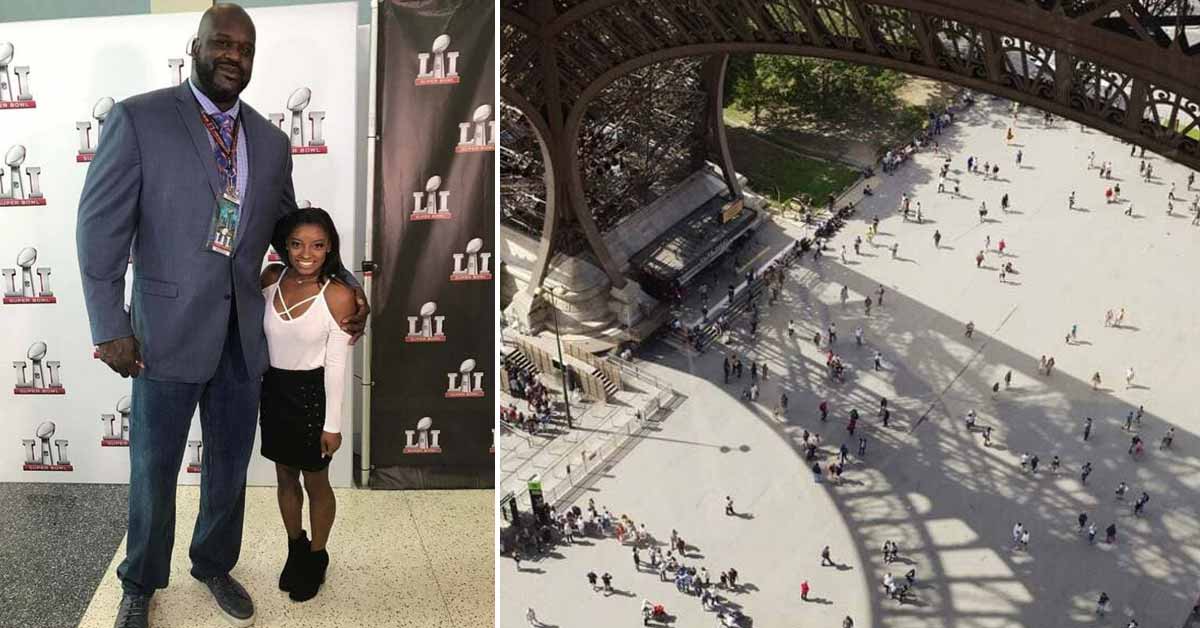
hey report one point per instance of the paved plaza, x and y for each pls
(927, 482)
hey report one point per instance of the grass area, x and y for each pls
(779, 173)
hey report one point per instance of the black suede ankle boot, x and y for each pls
(298, 549)
(311, 576)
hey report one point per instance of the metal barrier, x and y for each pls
(636, 372)
(570, 469)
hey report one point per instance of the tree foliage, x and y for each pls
(765, 83)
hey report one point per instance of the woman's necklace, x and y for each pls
(301, 280)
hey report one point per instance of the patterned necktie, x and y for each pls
(224, 123)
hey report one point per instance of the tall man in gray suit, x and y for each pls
(195, 179)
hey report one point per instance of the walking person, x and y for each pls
(1084, 472)
(205, 347)
(729, 506)
(825, 559)
(1087, 428)
(1140, 505)
(1071, 200)
(804, 590)
(937, 239)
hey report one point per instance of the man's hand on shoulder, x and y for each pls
(350, 309)
(123, 356)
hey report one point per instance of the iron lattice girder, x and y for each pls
(1110, 64)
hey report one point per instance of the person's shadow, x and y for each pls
(818, 600)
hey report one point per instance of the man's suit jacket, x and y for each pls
(154, 182)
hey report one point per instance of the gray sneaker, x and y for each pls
(233, 600)
(134, 611)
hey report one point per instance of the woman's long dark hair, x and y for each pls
(309, 216)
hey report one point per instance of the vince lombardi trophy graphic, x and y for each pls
(25, 261)
(100, 113)
(23, 94)
(44, 433)
(6, 56)
(480, 118)
(176, 64)
(296, 104)
(13, 159)
(440, 44)
(37, 353)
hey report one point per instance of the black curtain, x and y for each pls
(422, 102)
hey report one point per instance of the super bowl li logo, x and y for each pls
(476, 267)
(424, 439)
(437, 67)
(42, 378)
(87, 148)
(175, 64)
(433, 203)
(296, 104)
(116, 431)
(426, 327)
(479, 135)
(467, 382)
(27, 291)
(38, 454)
(17, 193)
(14, 95)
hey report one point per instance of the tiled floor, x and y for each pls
(396, 559)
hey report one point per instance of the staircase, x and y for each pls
(610, 389)
(741, 302)
(515, 359)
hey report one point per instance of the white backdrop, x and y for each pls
(74, 63)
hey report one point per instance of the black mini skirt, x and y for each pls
(292, 416)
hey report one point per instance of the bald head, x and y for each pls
(220, 13)
(223, 53)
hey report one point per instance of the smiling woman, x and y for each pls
(300, 409)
